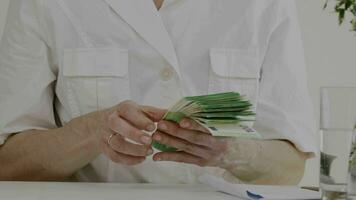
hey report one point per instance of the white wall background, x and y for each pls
(330, 52)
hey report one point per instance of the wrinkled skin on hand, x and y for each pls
(195, 144)
(122, 138)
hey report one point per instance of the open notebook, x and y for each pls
(256, 192)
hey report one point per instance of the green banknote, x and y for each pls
(223, 114)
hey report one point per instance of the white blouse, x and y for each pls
(75, 57)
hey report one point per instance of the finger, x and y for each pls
(120, 145)
(122, 158)
(133, 114)
(125, 129)
(181, 157)
(192, 125)
(155, 114)
(182, 145)
(195, 137)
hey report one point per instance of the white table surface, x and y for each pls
(106, 191)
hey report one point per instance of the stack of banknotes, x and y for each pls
(223, 114)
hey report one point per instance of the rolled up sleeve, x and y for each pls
(26, 78)
(284, 109)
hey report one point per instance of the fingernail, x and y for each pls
(185, 124)
(162, 126)
(150, 127)
(158, 159)
(149, 152)
(146, 140)
(157, 138)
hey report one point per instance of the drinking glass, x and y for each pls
(338, 143)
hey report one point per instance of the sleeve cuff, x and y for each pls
(3, 138)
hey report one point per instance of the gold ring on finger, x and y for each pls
(110, 138)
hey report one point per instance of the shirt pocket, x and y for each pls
(234, 70)
(95, 78)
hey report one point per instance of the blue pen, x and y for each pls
(253, 196)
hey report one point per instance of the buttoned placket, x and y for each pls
(170, 85)
(171, 88)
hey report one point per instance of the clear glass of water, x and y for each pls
(338, 143)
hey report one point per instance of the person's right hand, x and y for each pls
(122, 138)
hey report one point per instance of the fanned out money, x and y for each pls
(223, 114)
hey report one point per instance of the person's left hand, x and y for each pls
(194, 143)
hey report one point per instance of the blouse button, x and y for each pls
(166, 74)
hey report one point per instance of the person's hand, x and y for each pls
(194, 143)
(122, 138)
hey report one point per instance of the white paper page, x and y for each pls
(255, 192)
